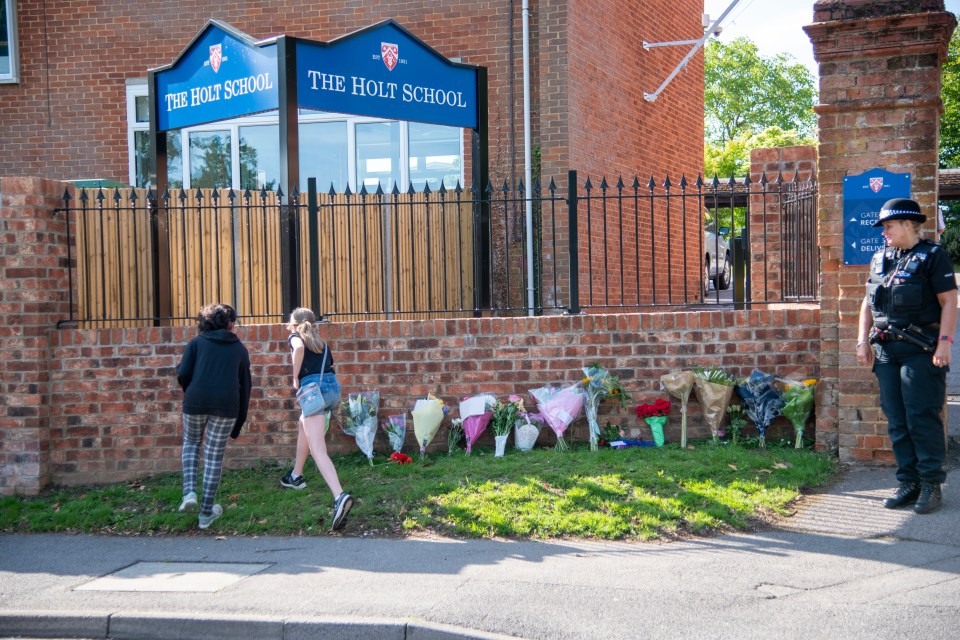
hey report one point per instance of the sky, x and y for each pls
(775, 26)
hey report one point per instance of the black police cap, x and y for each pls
(899, 209)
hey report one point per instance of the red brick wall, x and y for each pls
(879, 107)
(33, 297)
(66, 118)
(114, 402)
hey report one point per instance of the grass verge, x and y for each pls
(631, 494)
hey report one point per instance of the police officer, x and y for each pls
(907, 322)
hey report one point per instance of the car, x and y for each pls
(716, 252)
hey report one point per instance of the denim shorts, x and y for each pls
(329, 388)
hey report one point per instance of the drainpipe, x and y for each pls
(527, 160)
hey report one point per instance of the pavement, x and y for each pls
(840, 566)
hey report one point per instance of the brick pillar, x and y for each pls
(879, 106)
(785, 169)
(33, 297)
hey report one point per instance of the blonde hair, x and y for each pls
(305, 321)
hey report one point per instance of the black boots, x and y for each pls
(930, 496)
(925, 496)
(907, 493)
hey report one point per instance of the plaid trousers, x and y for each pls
(218, 430)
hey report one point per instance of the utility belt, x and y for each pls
(913, 334)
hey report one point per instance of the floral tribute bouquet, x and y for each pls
(679, 384)
(762, 399)
(714, 388)
(598, 383)
(476, 412)
(396, 429)
(360, 419)
(797, 405)
(504, 415)
(527, 430)
(655, 415)
(559, 407)
(400, 458)
(738, 420)
(454, 434)
(427, 415)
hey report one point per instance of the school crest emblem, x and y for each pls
(389, 53)
(876, 184)
(216, 57)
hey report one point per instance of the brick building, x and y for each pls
(72, 102)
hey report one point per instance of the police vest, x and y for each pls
(898, 291)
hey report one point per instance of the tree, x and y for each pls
(733, 156)
(747, 92)
(950, 120)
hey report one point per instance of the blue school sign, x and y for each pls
(382, 71)
(863, 195)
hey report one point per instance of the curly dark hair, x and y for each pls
(216, 316)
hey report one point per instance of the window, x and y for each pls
(8, 41)
(336, 149)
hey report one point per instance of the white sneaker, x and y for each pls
(206, 521)
(189, 502)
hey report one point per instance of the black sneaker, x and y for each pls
(290, 482)
(929, 499)
(341, 507)
(907, 494)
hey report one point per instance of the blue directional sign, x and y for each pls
(384, 71)
(222, 74)
(863, 195)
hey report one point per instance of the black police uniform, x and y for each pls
(902, 292)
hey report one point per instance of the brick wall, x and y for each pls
(33, 296)
(114, 401)
(879, 107)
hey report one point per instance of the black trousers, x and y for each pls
(912, 395)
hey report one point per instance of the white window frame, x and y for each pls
(233, 125)
(14, 75)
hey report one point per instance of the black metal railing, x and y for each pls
(141, 260)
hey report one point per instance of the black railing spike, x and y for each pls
(100, 196)
(133, 196)
(199, 195)
(747, 181)
(380, 192)
(116, 194)
(505, 188)
(362, 193)
(715, 183)
(410, 190)
(151, 196)
(426, 189)
(521, 188)
(489, 188)
(83, 196)
(552, 187)
(603, 184)
(779, 177)
(332, 192)
(588, 185)
(620, 183)
(396, 189)
(458, 189)
(263, 193)
(215, 196)
(442, 189)
(536, 186)
(474, 190)
(182, 196)
(763, 178)
(683, 181)
(651, 184)
(666, 183)
(699, 183)
(796, 179)
(66, 195)
(732, 181)
(247, 195)
(295, 194)
(635, 184)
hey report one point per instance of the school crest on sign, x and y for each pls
(389, 53)
(876, 184)
(216, 56)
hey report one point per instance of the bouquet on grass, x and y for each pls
(476, 412)
(360, 419)
(797, 405)
(527, 427)
(598, 383)
(738, 420)
(679, 384)
(559, 407)
(714, 388)
(655, 415)
(427, 415)
(454, 434)
(762, 399)
(504, 415)
(396, 429)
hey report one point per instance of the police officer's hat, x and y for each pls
(899, 209)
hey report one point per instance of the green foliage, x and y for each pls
(715, 375)
(747, 92)
(950, 93)
(733, 156)
(638, 493)
(950, 240)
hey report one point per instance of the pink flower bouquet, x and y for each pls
(559, 408)
(476, 412)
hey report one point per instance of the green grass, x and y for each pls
(632, 494)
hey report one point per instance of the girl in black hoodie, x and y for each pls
(215, 376)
